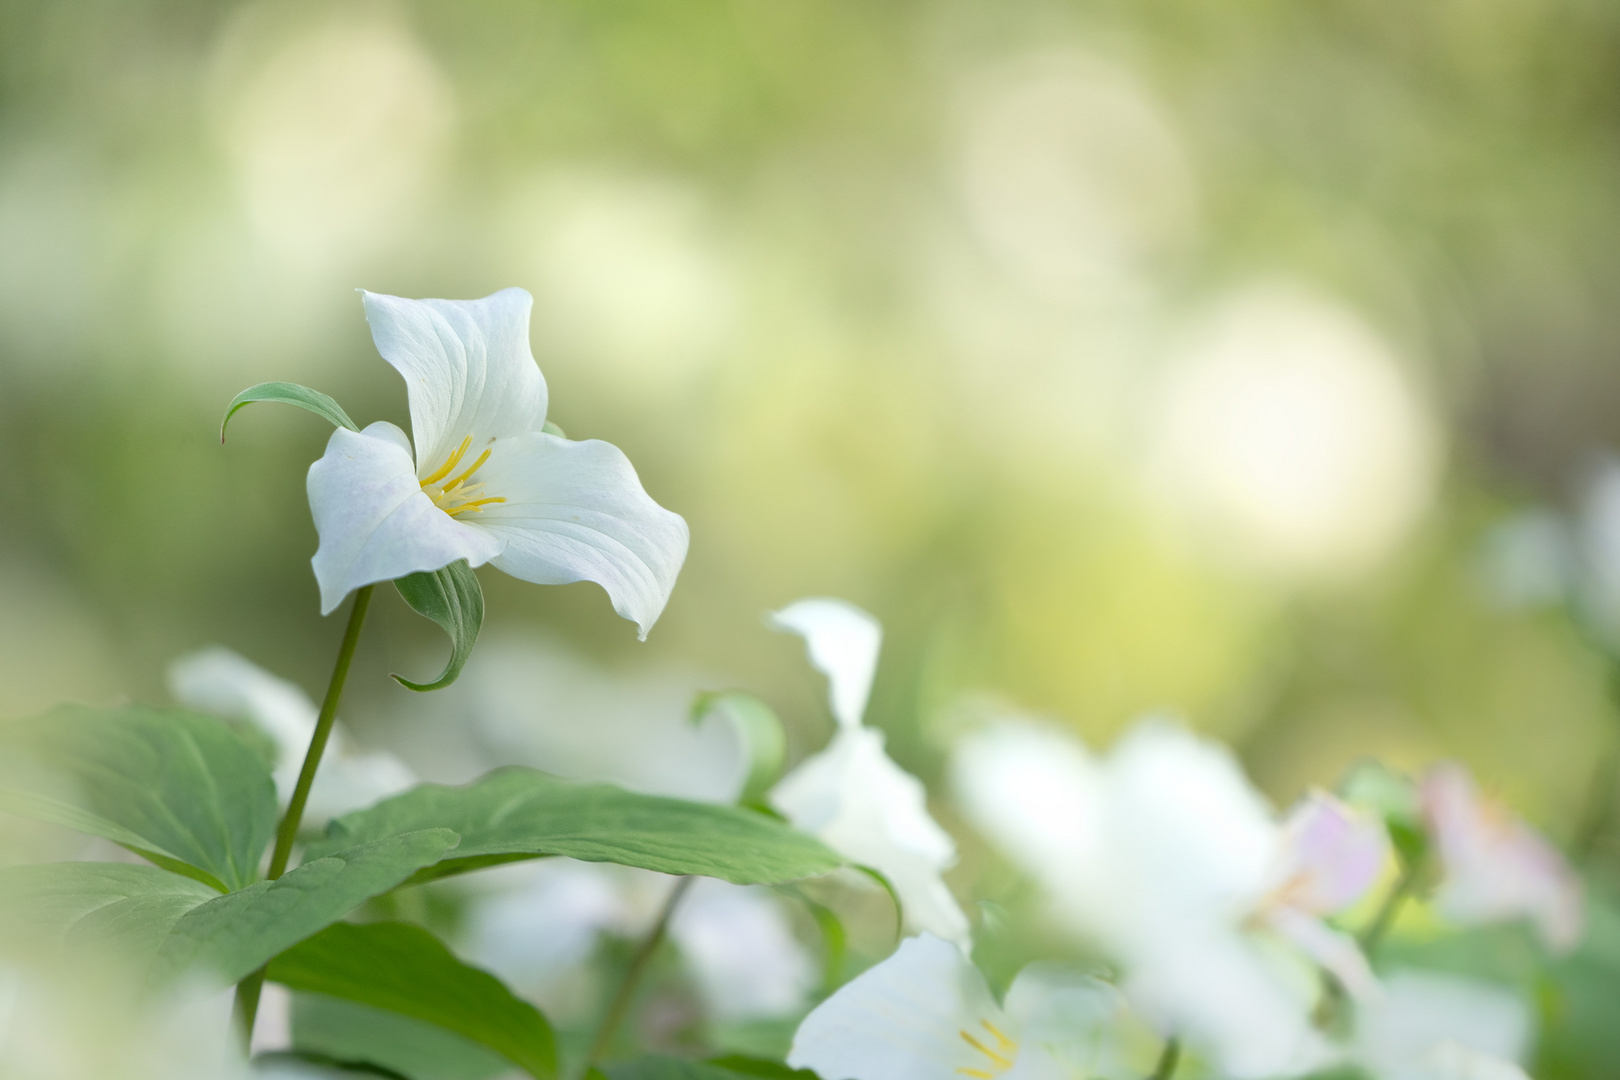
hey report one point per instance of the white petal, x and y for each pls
(350, 780)
(868, 809)
(843, 641)
(374, 522)
(1033, 791)
(1334, 950)
(740, 948)
(1071, 1025)
(1400, 1034)
(575, 511)
(904, 1019)
(467, 367)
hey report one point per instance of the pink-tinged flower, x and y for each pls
(1329, 855)
(1494, 866)
(1164, 855)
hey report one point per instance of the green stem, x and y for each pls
(632, 976)
(1405, 885)
(246, 1009)
(1168, 1059)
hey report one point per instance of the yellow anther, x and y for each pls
(985, 1050)
(476, 505)
(1005, 1043)
(448, 484)
(977, 1074)
(444, 470)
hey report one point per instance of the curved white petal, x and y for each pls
(374, 522)
(861, 804)
(467, 367)
(575, 511)
(1332, 950)
(843, 641)
(740, 947)
(905, 1019)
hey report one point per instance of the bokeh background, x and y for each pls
(1120, 356)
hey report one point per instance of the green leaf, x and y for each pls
(517, 812)
(60, 907)
(238, 933)
(764, 743)
(289, 394)
(179, 789)
(349, 1033)
(406, 970)
(452, 598)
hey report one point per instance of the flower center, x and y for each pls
(459, 493)
(998, 1050)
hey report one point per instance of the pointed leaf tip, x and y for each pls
(289, 394)
(452, 598)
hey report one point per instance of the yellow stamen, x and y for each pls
(444, 470)
(476, 505)
(977, 1074)
(1005, 1043)
(985, 1050)
(448, 484)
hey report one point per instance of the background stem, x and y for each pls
(632, 976)
(1166, 1068)
(246, 1007)
(1404, 886)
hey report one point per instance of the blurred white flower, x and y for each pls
(218, 681)
(83, 1025)
(486, 483)
(926, 1013)
(1164, 855)
(538, 925)
(1494, 866)
(852, 795)
(1427, 1026)
(1289, 428)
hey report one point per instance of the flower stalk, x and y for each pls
(248, 990)
(1168, 1059)
(632, 977)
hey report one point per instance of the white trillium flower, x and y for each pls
(1494, 866)
(926, 1013)
(852, 796)
(1167, 858)
(485, 483)
(218, 681)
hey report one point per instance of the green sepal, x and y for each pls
(289, 394)
(452, 598)
(406, 970)
(764, 744)
(888, 887)
(834, 939)
(552, 429)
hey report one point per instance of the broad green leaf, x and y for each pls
(233, 935)
(406, 970)
(60, 907)
(764, 745)
(347, 1032)
(452, 598)
(179, 789)
(513, 813)
(289, 394)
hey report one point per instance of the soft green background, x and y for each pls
(771, 262)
